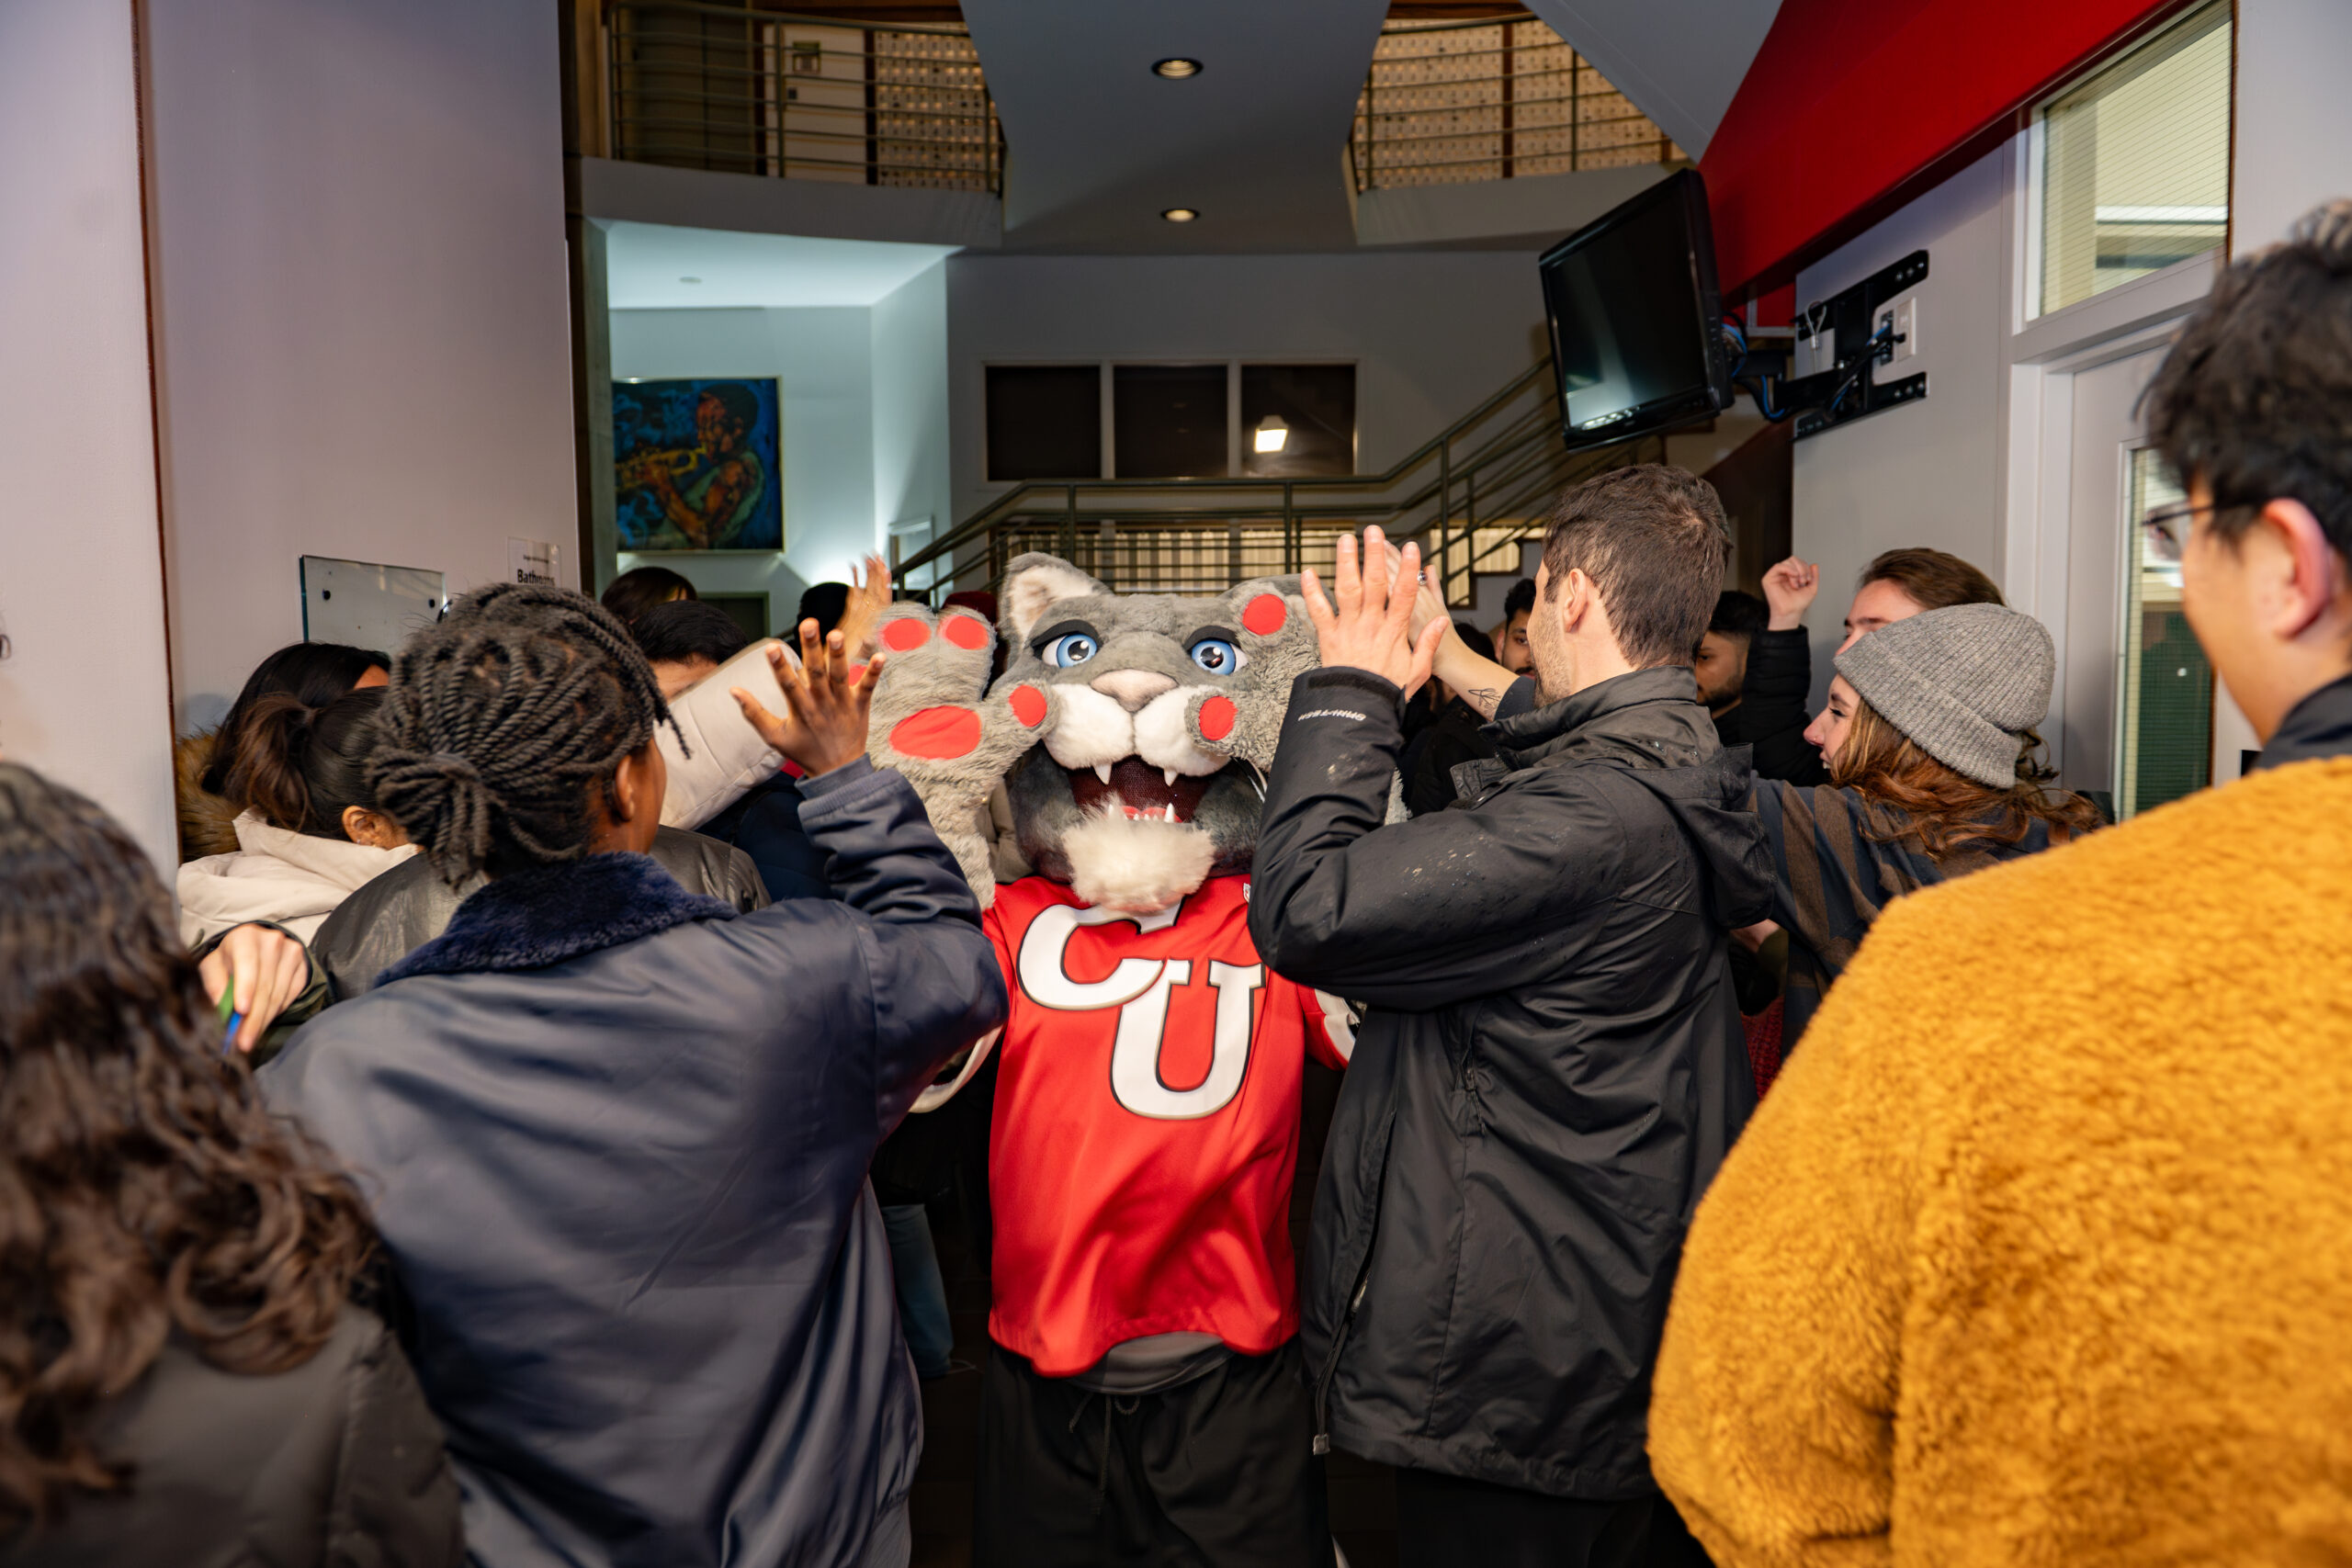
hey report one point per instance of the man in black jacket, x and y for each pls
(1754, 674)
(1552, 1066)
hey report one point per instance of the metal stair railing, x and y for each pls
(1471, 495)
(696, 85)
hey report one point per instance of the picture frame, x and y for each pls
(699, 465)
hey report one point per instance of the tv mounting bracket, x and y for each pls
(1863, 336)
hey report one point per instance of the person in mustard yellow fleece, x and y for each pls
(2041, 1250)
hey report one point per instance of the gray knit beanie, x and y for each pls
(1961, 684)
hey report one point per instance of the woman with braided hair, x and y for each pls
(616, 1133)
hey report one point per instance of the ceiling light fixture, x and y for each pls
(1272, 435)
(1176, 68)
(1181, 214)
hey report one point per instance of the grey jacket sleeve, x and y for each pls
(1458, 904)
(395, 1501)
(937, 987)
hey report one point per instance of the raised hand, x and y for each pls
(869, 596)
(1372, 628)
(1789, 588)
(826, 703)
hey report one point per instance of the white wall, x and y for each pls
(2293, 135)
(1925, 473)
(85, 698)
(911, 415)
(1432, 333)
(2292, 150)
(360, 299)
(823, 360)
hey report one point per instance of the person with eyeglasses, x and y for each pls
(2037, 1251)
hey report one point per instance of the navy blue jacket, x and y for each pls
(616, 1137)
(765, 825)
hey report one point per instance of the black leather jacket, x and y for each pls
(1551, 1071)
(399, 911)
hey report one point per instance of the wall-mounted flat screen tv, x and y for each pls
(1634, 312)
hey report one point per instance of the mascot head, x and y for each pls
(1132, 732)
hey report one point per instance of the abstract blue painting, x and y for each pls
(698, 465)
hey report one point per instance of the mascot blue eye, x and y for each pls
(1075, 649)
(1217, 656)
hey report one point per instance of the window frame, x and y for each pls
(1105, 368)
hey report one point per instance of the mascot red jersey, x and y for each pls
(1142, 1399)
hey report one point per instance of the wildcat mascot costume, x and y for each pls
(1144, 1403)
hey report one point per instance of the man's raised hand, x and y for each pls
(1788, 588)
(1372, 628)
(826, 703)
(869, 596)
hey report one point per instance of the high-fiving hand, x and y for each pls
(1372, 629)
(826, 703)
(869, 595)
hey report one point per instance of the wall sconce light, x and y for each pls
(1272, 435)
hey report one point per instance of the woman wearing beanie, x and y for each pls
(1926, 740)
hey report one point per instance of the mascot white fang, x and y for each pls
(1145, 1130)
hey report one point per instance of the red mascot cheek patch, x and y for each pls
(1028, 705)
(1217, 717)
(965, 632)
(937, 733)
(1265, 614)
(905, 636)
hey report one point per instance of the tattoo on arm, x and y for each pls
(1485, 699)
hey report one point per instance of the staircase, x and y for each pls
(1471, 495)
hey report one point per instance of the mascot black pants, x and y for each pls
(1215, 1472)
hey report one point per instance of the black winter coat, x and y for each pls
(1550, 1072)
(1770, 719)
(336, 1463)
(615, 1138)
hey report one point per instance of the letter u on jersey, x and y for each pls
(1139, 989)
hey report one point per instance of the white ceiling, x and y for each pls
(645, 263)
(1679, 60)
(1100, 146)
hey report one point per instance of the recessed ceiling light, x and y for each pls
(1176, 68)
(690, 280)
(1181, 214)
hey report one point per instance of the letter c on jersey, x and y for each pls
(1139, 989)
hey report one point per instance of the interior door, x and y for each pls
(2105, 432)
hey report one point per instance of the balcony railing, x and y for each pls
(711, 87)
(1472, 495)
(1449, 103)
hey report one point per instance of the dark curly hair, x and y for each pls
(2255, 398)
(144, 1191)
(503, 720)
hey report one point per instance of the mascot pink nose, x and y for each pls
(1133, 688)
